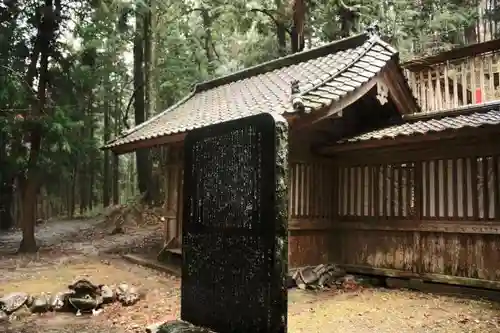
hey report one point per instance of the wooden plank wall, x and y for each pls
(454, 83)
(173, 171)
(439, 216)
(311, 194)
(310, 188)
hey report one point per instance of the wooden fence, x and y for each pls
(458, 189)
(412, 214)
(450, 84)
(433, 215)
(310, 188)
(437, 218)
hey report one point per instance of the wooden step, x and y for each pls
(175, 251)
(171, 256)
(154, 264)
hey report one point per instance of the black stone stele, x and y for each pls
(234, 241)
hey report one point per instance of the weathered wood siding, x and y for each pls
(311, 194)
(433, 216)
(173, 172)
(426, 215)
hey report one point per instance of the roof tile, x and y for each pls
(323, 79)
(478, 119)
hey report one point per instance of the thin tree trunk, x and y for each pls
(90, 169)
(297, 31)
(281, 31)
(6, 202)
(142, 155)
(6, 186)
(116, 179)
(82, 193)
(150, 59)
(207, 25)
(72, 194)
(132, 178)
(116, 160)
(106, 195)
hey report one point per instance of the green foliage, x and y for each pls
(91, 67)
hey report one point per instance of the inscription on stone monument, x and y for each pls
(235, 226)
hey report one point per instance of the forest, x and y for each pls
(75, 74)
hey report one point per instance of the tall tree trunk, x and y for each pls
(116, 179)
(472, 35)
(281, 30)
(7, 171)
(297, 31)
(47, 20)
(116, 161)
(92, 165)
(82, 189)
(6, 202)
(132, 178)
(209, 51)
(150, 59)
(6, 185)
(142, 155)
(150, 84)
(106, 197)
(72, 194)
(84, 170)
(281, 36)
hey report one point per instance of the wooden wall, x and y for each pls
(409, 214)
(431, 212)
(431, 216)
(172, 169)
(311, 194)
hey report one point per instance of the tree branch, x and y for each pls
(269, 14)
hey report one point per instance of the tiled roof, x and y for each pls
(325, 75)
(477, 119)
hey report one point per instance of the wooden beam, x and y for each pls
(407, 153)
(453, 112)
(168, 139)
(380, 224)
(148, 143)
(455, 54)
(430, 277)
(153, 264)
(409, 139)
(305, 121)
(335, 109)
(344, 102)
(399, 93)
(399, 90)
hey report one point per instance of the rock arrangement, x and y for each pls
(326, 277)
(81, 297)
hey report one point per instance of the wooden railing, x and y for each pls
(447, 189)
(310, 191)
(430, 218)
(461, 82)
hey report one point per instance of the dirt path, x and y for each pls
(76, 249)
(48, 233)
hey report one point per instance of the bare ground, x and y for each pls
(72, 249)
